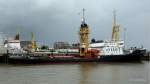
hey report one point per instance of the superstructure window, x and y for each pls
(121, 43)
(108, 49)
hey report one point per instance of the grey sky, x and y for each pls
(58, 20)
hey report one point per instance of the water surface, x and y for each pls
(78, 73)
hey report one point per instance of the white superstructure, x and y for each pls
(112, 47)
(109, 47)
(13, 44)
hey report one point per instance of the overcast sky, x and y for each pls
(59, 20)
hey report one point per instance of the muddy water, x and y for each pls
(77, 73)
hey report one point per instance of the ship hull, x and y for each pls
(116, 58)
(120, 58)
(135, 56)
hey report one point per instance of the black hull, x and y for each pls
(120, 58)
(63, 60)
(135, 56)
(4, 58)
(116, 58)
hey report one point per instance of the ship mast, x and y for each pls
(17, 37)
(83, 16)
(33, 44)
(83, 36)
(115, 28)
